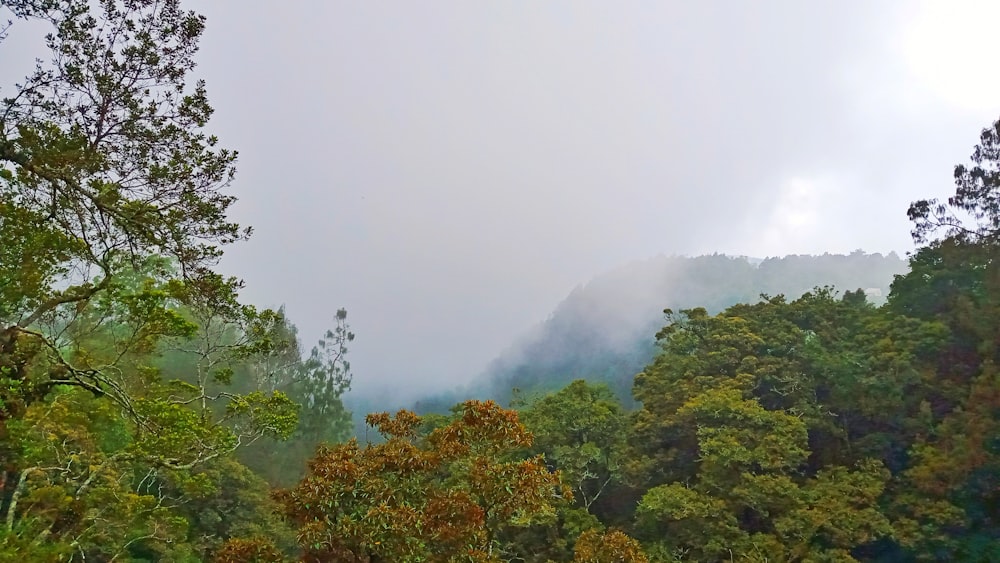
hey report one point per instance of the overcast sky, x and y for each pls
(449, 171)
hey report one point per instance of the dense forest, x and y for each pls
(604, 330)
(149, 414)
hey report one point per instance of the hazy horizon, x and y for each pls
(625, 304)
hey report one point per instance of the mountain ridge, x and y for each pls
(604, 329)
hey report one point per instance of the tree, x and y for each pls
(611, 547)
(225, 500)
(775, 429)
(249, 550)
(747, 497)
(113, 213)
(317, 383)
(85, 475)
(104, 163)
(445, 496)
(581, 432)
(950, 508)
(972, 214)
(78, 487)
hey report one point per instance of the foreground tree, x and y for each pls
(450, 495)
(104, 164)
(950, 508)
(581, 432)
(609, 547)
(771, 430)
(113, 213)
(83, 474)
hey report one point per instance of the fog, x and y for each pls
(449, 171)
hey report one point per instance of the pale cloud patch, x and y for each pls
(795, 224)
(948, 48)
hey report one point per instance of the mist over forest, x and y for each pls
(171, 393)
(604, 330)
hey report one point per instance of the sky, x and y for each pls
(448, 171)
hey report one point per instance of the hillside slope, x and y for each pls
(603, 331)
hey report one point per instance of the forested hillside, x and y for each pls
(149, 414)
(603, 331)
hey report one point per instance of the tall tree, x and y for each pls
(113, 213)
(104, 163)
(950, 508)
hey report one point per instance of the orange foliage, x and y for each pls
(437, 497)
(248, 550)
(609, 547)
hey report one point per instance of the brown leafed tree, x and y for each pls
(444, 496)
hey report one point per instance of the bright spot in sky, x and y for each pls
(795, 220)
(799, 208)
(949, 49)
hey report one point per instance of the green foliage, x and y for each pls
(226, 500)
(129, 371)
(316, 384)
(105, 158)
(78, 484)
(86, 480)
(581, 432)
(759, 422)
